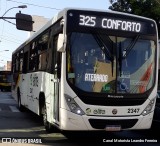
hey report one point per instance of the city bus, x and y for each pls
(89, 70)
(5, 80)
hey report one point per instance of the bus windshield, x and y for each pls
(110, 64)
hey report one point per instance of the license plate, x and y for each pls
(113, 128)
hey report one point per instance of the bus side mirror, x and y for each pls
(24, 22)
(60, 43)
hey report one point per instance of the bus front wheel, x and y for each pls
(20, 106)
(47, 125)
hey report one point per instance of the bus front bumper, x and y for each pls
(70, 121)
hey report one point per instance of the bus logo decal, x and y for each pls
(88, 111)
(34, 80)
(114, 111)
(99, 111)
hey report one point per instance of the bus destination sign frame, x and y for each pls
(78, 20)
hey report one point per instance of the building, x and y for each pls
(7, 66)
(39, 22)
(9, 63)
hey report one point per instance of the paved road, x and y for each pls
(14, 124)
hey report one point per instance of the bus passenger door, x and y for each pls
(56, 81)
(57, 75)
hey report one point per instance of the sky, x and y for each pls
(11, 38)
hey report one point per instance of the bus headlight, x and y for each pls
(73, 106)
(148, 108)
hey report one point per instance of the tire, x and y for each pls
(74, 135)
(20, 106)
(47, 125)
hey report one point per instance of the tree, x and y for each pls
(146, 8)
(120, 5)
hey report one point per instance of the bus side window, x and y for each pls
(42, 51)
(13, 64)
(21, 61)
(25, 63)
(17, 62)
(49, 59)
(33, 57)
(49, 53)
(42, 61)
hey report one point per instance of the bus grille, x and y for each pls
(101, 123)
(112, 102)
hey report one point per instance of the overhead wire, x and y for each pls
(12, 37)
(35, 5)
(9, 40)
(2, 36)
(2, 31)
(3, 21)
(26, 4)
(5, 56)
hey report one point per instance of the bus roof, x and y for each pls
(62, 13)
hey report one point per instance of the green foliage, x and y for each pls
(146, 8)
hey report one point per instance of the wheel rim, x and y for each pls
(19, 102)
(45, 116)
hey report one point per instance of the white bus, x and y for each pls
(89, 70)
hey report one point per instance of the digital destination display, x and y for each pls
(110, 23)
(79, 19)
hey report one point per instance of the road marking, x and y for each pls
(7, 101)
(14, 109)
(35, 129)
(55, 135)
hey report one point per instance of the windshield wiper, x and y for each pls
(130, 47)
(120, 59)
(105, 46)
(123, 53)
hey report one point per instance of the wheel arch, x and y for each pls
(41, 102)
(18, 93)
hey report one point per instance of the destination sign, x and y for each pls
(91, 20)
(110, 23)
